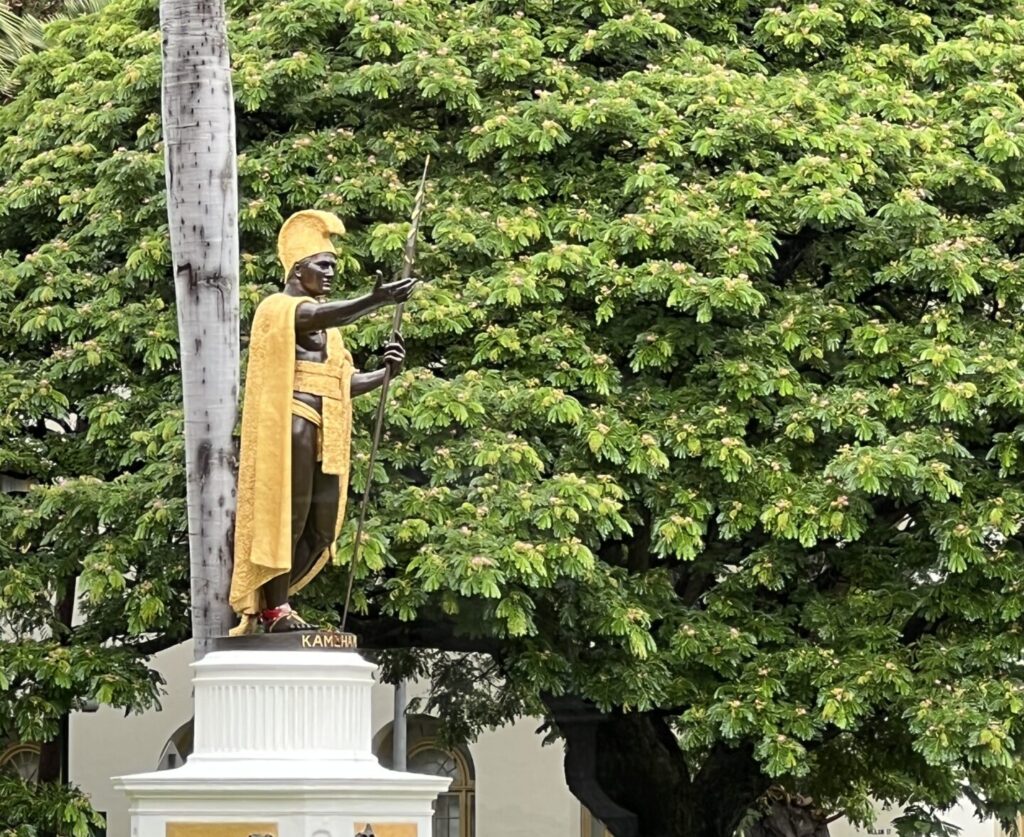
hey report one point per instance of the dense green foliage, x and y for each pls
(21, 30)
(30, 810)
(15, 41)
(714, 402)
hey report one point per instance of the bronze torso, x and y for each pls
(310, 346)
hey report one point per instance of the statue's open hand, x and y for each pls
(394, 356)
(398, 290)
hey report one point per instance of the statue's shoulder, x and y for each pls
(273, 300)
(278, 304)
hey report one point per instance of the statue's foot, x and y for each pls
(279, 620)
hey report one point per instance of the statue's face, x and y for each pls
(314, 274)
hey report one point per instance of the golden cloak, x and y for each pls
(263, 521)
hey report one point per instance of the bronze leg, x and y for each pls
(304, 465)
(318, 533)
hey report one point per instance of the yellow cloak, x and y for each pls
(263, 521)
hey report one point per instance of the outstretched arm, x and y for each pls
(394, 356)
(311, 316)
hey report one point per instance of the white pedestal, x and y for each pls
(282, 748)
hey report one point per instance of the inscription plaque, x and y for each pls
(386, 829)
(313, 640)
(221, 829)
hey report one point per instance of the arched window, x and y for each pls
(455, 809)
(22, 759)
(178, 747)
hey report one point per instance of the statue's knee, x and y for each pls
(321, 542)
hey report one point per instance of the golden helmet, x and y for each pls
(305, 234)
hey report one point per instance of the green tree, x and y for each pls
(21, 30)
(15, 40)
(709, 444)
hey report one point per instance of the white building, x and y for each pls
(506, 784)
(960, 816)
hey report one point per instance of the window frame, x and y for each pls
(14, 750)
(463, 785)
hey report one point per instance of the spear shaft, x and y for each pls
(408, 259)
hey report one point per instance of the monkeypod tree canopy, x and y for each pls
(710, 437)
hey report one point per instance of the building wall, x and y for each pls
(960, 815)
(105, 743)
(520, 786)
(521, 790)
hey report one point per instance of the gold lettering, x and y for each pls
(329, 639)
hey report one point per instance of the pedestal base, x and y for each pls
(282, 748)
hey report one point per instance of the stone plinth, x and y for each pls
(282, 748)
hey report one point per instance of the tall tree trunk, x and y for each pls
(202, 209)
(787, 815)
(53, 754)
(629, 771)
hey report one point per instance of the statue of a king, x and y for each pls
(297, 424)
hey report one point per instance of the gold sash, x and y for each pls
(327, 380)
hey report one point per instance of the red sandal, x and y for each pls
(279, 620)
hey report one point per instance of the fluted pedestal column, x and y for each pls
(282, 748)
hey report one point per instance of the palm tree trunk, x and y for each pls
(202, 208)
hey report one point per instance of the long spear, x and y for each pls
(408, 258)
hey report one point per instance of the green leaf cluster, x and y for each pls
(31, 810)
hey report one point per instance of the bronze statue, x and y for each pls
(296, 424)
